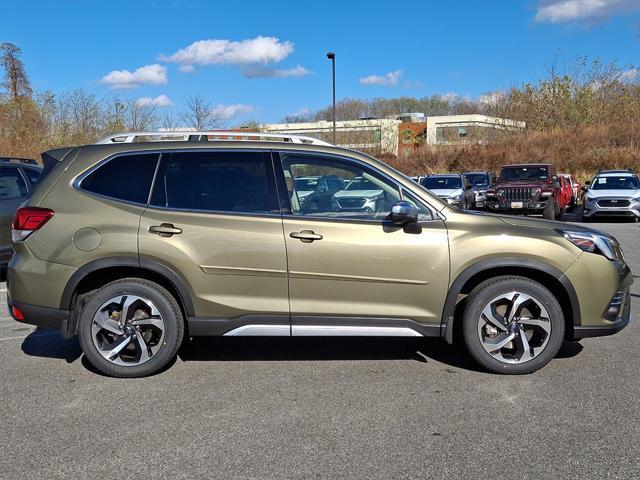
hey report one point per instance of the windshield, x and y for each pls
(439, 183)
(616, 183)
(477, 179)
(361, 184)
(305, 184)
(525, 173)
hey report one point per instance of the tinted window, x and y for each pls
(477, 179)
(435, 183)
(12, 185)
(525, 173)
(616, 183)
(214, 181)
(127, 177)
(33, 174)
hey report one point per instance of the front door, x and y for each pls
(352, 271)
(211, 219)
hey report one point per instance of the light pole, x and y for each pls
(332, 56)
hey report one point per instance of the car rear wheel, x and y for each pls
(130, 328)
(512, 325)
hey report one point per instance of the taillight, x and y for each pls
(27, 220)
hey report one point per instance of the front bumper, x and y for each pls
(593, 209)
(588, 331)
(514, 206)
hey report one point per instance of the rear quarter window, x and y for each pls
(125, 177)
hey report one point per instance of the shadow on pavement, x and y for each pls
(49, 343)
(263, 349)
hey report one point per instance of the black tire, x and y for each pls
(482, 295)
(169, 311)
(549, 211)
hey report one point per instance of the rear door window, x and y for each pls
(219, 181)
(125, 177)
(12, 184)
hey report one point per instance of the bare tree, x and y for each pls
(141, 116)
(198, 113)
(16, 81)
(168, 122)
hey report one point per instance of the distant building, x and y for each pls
(403, 134)
(369, 134)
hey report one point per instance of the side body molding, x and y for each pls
(469, 272)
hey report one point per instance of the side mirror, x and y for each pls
(403, 213)
(585, 188)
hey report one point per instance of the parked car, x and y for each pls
(316, 193)
(576, 188)
(452, 188)
(18, 176)
(360, 195)
(529, 189)
(480, 182)
(133, 245)
(566, 191)
(612, 193)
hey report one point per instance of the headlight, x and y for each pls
(594, 242)
(459, 197)
(500, 192)
(535, 192)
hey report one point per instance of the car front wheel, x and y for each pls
(130, 328)
(512, 325)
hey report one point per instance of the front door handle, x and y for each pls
(165, 229)
(306, 236)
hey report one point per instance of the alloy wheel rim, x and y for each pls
(514, 327)
(128, 330)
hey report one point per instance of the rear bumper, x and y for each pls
(46, 317)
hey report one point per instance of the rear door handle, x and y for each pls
(306, 236)
(165, 229)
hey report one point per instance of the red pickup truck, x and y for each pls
(529, 189)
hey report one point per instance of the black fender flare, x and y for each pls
(446, 327)
(145, 263)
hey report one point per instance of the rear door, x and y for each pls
(13, 191)
(214, 219)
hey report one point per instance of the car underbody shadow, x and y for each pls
(50, 343)
(237, 349)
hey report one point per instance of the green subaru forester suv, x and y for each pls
(142, 240)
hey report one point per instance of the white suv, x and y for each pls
(612, 193)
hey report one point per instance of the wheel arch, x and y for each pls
(549, 276)
(102, 271)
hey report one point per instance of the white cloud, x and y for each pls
(124, 79)
(387, 79)
(630, 76)
(261, 72)
(159, 101)
(259, 50)
(566, 11)
(227, 112)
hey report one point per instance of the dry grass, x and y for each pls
(577, 150)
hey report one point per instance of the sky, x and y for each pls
(264, 60)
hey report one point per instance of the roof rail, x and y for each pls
(169, 136)
(615, 170)
(30, 161)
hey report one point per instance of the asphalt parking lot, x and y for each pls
(307, 408)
